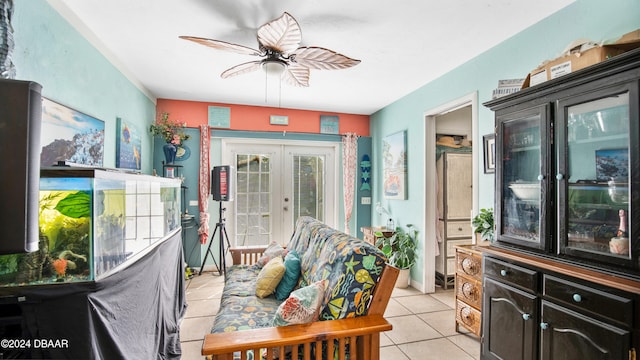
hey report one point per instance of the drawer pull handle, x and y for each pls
(469, 266)
(503, 272)
(577, 298)
(544, 326)
(526, 317)
(459, 229)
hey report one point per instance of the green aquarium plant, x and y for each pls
(400, 248)
(483, 224)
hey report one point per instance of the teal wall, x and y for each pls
(72, 72)
(514, 58)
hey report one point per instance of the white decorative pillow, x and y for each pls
(302, 306)
(273, 250)
(269, 277)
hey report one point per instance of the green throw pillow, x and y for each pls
(291, 275)
(269, 277)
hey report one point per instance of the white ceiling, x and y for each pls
(402, 44)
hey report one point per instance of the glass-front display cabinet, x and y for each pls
(93, 222)
(523, 145)
(595, 174)
(568, 169)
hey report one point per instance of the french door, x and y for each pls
(275, 184)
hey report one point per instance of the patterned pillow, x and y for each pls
(291, 275)
(269, 277)
(302, 306)
(273, 250)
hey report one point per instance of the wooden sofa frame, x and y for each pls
(363, 331)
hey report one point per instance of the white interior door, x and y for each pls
(276, 183)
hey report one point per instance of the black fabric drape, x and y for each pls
(132, 314)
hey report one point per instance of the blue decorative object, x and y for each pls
(170, 151)
(183, 153)
(365, 168)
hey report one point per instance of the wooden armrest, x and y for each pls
(224, 343)
(246, 255)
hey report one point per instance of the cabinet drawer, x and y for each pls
(469, 264)
(595, 301)
(469, 290)
(459, 229)
(451, 244)
(516, 275)
(469, 317)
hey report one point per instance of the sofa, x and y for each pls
(349, 277)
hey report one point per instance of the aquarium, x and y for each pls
(93, 222)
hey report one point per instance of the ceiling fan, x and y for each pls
(279, 46)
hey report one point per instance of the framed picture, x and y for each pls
(394, 153)
(279, 120)
(329, 124)
(128, 146)
(71, 136)
(612, 164)
(489, 147)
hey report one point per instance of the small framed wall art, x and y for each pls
(489, 147)
(278, 120)
(329, 124)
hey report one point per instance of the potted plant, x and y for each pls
(483, 224)
(400, 249)
(173, 134)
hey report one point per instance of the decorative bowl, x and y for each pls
(526, 191)
(618, 192)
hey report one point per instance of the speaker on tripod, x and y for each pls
(222, 189)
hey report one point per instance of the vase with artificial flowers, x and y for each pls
(172, 132)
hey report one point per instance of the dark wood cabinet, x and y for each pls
(567, 250)
(510, 322)
(569, 335)
(535, 309)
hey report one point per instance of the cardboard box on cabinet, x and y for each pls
(580, 55)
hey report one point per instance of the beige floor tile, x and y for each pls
(197, 308)
(394, 308)
(392, 353)
(204, 293)
(397, 292)
(195, 328)
(384, 340)
(436, 349)
(418, 304)
(191, 350)
(443, 321)
(207, 279)
(467, 342)
(409, 329)
(447, 297)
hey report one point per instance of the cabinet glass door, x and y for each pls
(594, 177)
(522, 177)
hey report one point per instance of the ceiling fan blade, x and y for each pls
(296, 75)
(322, 59)
(223, 45)
(241, 69)
(282, 34)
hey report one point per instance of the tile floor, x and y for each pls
(423, 325)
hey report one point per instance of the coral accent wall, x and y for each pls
(256, 118)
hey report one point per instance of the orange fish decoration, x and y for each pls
(60, 266)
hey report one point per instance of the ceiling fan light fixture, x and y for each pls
(273, 67)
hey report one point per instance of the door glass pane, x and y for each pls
(521, 187)
(253, 200)
(308, 186)
(598, 170)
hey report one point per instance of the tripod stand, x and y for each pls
(223, 237)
